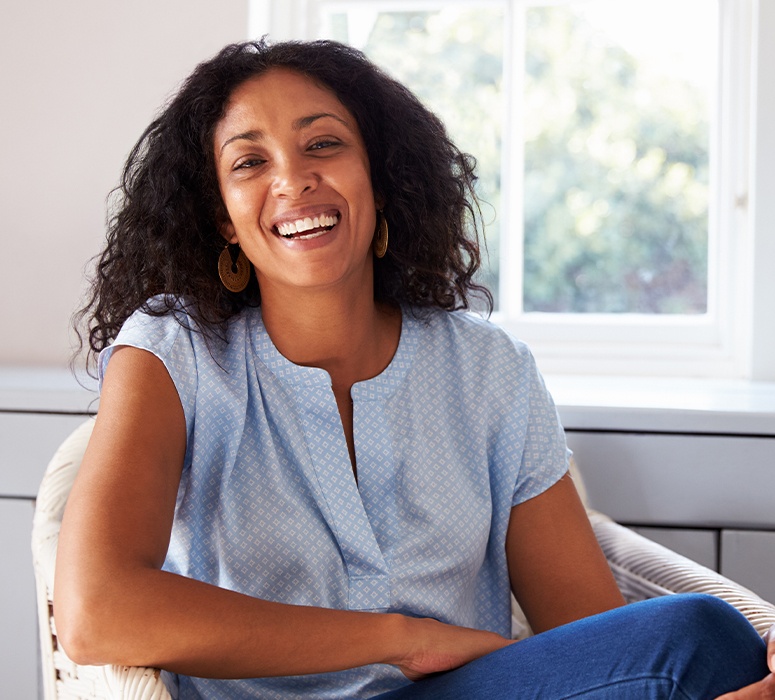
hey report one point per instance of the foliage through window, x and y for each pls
(591, 125)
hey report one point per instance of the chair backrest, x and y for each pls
(49, 507)
(62, 678)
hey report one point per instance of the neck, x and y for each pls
(348, 335)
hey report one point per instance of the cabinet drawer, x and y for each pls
(748, 557)
(696, 480)
(27, 443)
(698, 545)
(19, 628)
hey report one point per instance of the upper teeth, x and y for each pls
(300, 225)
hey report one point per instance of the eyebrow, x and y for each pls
(244, 136)
(255, 135)
(304, 122)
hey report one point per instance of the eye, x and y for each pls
(323, 143)
(247, 163)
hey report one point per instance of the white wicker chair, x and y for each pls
(62, 678)
(642, 570)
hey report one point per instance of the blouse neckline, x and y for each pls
(380, 386)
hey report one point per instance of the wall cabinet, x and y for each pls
(711, 498)
(689, 464)
(37, 411)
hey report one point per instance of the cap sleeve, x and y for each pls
(545, 455)
(170, 341)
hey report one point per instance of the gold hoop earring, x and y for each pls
(380, 245)
(234, 269)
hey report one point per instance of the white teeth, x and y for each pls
(310, 236)
(300, 225)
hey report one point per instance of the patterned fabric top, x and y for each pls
(457, 429)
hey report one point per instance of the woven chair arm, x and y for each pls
(134, 683)
(644, 569)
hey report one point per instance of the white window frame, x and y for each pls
(736, 338)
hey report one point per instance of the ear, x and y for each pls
(379, 201)
(226, 229)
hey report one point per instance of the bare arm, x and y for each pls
(558, 572)
(113, 604)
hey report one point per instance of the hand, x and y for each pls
(438, 647)
(765, 688)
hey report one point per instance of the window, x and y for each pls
(612, 143)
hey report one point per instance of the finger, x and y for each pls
(747, 693)
(770, 639)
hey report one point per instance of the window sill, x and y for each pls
(664, 405)
(45, 390)
(630, 404)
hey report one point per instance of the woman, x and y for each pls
(310, 471)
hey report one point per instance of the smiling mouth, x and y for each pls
(308, 227)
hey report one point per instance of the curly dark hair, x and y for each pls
(163, 238)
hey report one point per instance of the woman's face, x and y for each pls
(294, 176)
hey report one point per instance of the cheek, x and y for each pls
(234, 199)
(363, 193)
(243, 204)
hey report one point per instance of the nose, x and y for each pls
(293, 177)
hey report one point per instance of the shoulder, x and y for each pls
(167, 319)
(476, 358)
(168, 327)
(466, 334)
(156, 325)
(193, 356)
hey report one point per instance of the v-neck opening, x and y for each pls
(350, 505)
(380, 386)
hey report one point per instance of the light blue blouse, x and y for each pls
(453, 433)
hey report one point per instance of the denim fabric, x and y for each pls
(682, 647)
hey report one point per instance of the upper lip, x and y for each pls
(310, 211)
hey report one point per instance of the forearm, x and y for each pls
(154, 618)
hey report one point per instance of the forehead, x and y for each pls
(278, 96)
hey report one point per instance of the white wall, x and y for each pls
(80, 80)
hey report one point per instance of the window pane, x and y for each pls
(616, 188)
(616, 127)
(452, 58)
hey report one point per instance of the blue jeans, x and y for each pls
(683, 647)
